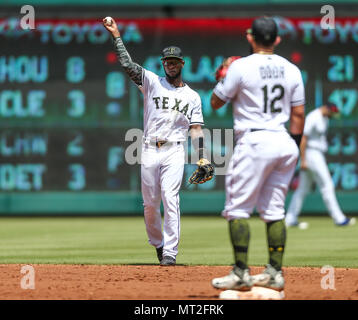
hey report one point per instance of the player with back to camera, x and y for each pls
(314, 168)
(171, 108)
(266, 91)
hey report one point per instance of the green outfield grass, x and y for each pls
(205, 240)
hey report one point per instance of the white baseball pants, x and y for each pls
(162, 173)
(259, 174)
(317, 171)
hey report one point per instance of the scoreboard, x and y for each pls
(67, 108)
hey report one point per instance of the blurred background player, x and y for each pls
(266, 91)
(171, 107)
(314, 169)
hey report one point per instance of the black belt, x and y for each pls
(254, 129)
(160, 143)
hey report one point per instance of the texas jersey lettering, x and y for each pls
(168, 110)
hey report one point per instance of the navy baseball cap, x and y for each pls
(264, 30)
(172, 52)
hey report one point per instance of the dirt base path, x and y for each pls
(128, 282)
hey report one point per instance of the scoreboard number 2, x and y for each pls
(74, 147)
(342, 68)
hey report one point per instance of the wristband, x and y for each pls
(297, 138)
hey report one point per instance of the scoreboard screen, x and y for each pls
(66, 105)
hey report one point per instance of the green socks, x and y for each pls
(276, 239)
(240, 237)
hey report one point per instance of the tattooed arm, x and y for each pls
(133, 70)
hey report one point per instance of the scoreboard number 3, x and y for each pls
(78, 104)
(78, 177)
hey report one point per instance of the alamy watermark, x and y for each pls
(328, 280)
(28, 280)
(219, 145)
(28, 20)
(328, 20)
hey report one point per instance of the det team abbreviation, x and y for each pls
(41, 161)
(22, 176)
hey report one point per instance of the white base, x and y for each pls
(256, 293)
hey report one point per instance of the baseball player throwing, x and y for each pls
(170, 109)
(314, 168)
(266, 91)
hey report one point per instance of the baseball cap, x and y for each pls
(172, 52)
(264, 30)
(332, 107)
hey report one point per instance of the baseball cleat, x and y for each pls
(270, 278)
(167, 261)
(238, 279)
(159, 253)
(347, 222)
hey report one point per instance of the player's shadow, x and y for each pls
(203, 297)
(153, 264)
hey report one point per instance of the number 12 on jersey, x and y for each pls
(279, 92)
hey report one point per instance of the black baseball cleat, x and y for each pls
(168, 261)
(159, 253)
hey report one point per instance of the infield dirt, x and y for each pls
(152, 282)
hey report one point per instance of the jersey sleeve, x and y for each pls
(298, 92)
(148, 78)
(197, 113)
(134, 70)
(309, 125)
(228, 87)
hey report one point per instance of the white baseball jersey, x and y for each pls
(168, 114)
(318, 172)
(316, 126)
(262, 95)
(168, 110)
(262, 89)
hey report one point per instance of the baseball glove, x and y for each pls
(203, 173)
(221, 71)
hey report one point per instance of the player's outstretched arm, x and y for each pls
(133, 70)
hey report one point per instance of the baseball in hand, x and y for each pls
(108, 21)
